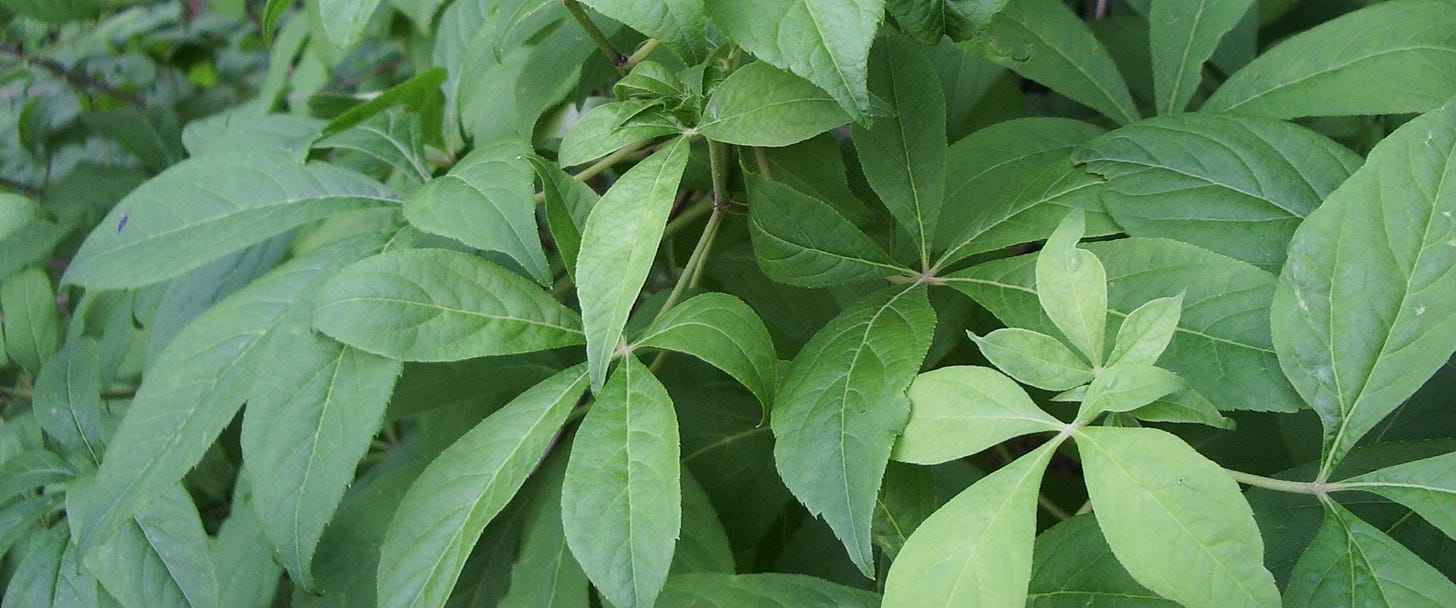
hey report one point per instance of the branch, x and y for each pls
(78, 79)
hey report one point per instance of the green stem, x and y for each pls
(613, 55)
(25, 393)
(687, 217)
(1052, 508)
(641, 54)
(1279, 485)
(605, 163)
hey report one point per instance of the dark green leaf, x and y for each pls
(680, 24)
(715, 590)
(160, 557)
(801, 240)
(1183, 35)
(568, 204)
(419, 93)
(32, 470)
(1351, 563)
(1073, 566)
(703, 545)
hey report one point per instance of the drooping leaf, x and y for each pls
(1221, 346)
(1073, 566)
(679, 24)
(961, 410)
(841, 404)
(1071, 286)
(1408, 48)
(1352, 563)
(904, 155)
(1363, 309)
(203, 208)
(303, 434)
(195, 388)
(32, 322)
(829, 45)
(485, 201)
(159, 557)
(464, 488)
(621, 503)
(440, 305)
(1427, 486)
(1182, 35)
(975, 550)
(1034, 358)
(618, 245)
(1236, 185)
(1146, 332)
(716, 590)
(801, 240)
(761, 105)
(1044, 41)
(1126, 387)
(722, 330)
(1155, 496)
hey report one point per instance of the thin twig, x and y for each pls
(78, 79)
(613, 55)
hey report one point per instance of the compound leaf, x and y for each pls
(1352, 563)
(961, 410)
(724, 331)
(1427, 486)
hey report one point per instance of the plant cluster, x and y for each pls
(727, 303)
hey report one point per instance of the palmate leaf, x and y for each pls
(465, 487)
(1071, 286)
(1364, 310)
(1427, 486)
(1352, 563)
(841, 404)
(1182, 35)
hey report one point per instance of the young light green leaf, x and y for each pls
(621, 503)
(801, 240)
(1155, 496)
(1184, 406)
(1222, 345)
(1427, 486)
(722, 330)
(32, 322)
(1071, 286)
(842, 402)
(344, 20)
(1182, 35)
(440, 305)
(618, 245)
(1126, 387)
(465, 487)
(961, 410)
(304, 432)
(1408, 47)
(1044, 41)
(159, 557)
(203, 208)
(975, 550)
(1034, 358)
(1073, 566)
(486, 201)
(903, 155)
(829, 47)
(1146, 332)
(714, 590)
(605, 128)
(761, 105)
(679, 24)
(1352, 563)
(194, 389)
(1357, 348)
(1236, 185)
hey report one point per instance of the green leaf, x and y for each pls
(679, 24)
(19, 519)
(26, 234)
(609, 127)
(32, 322)
(271, 12)
(903, 155)
(1073, 566)
(621, 503)
(304, 432)
(440, 305)
(242, 133)
(246, 572)
(420, 93)
(829, 45)
(486, 201)
(842, 402)
(204, 208)
(392, 137)
(195, 387)
(32, 470)
(1351, 563)
(1182, 35)
(908, 497)
(1427, 486)
(1126, 387)
(1184, 406)
(1146, 332)
(1155, 496)
(1034, 358)
(703, 545)
(928, 20)
(344, 20)
(158, 558)
(1407, 47)
(55, 11)
(975, 550)
(760, 105)
(1363, 308)
(617, 248)
(1221, 347)
(801, 240)
(722, 330)
(545, 573)
(465, 487)
(33, 582)
(568, 204)
(1071, 286)
(1044, 41)
(714, 590)
(1236, 185)
(961, 410)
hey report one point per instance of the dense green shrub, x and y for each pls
(727, 303)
